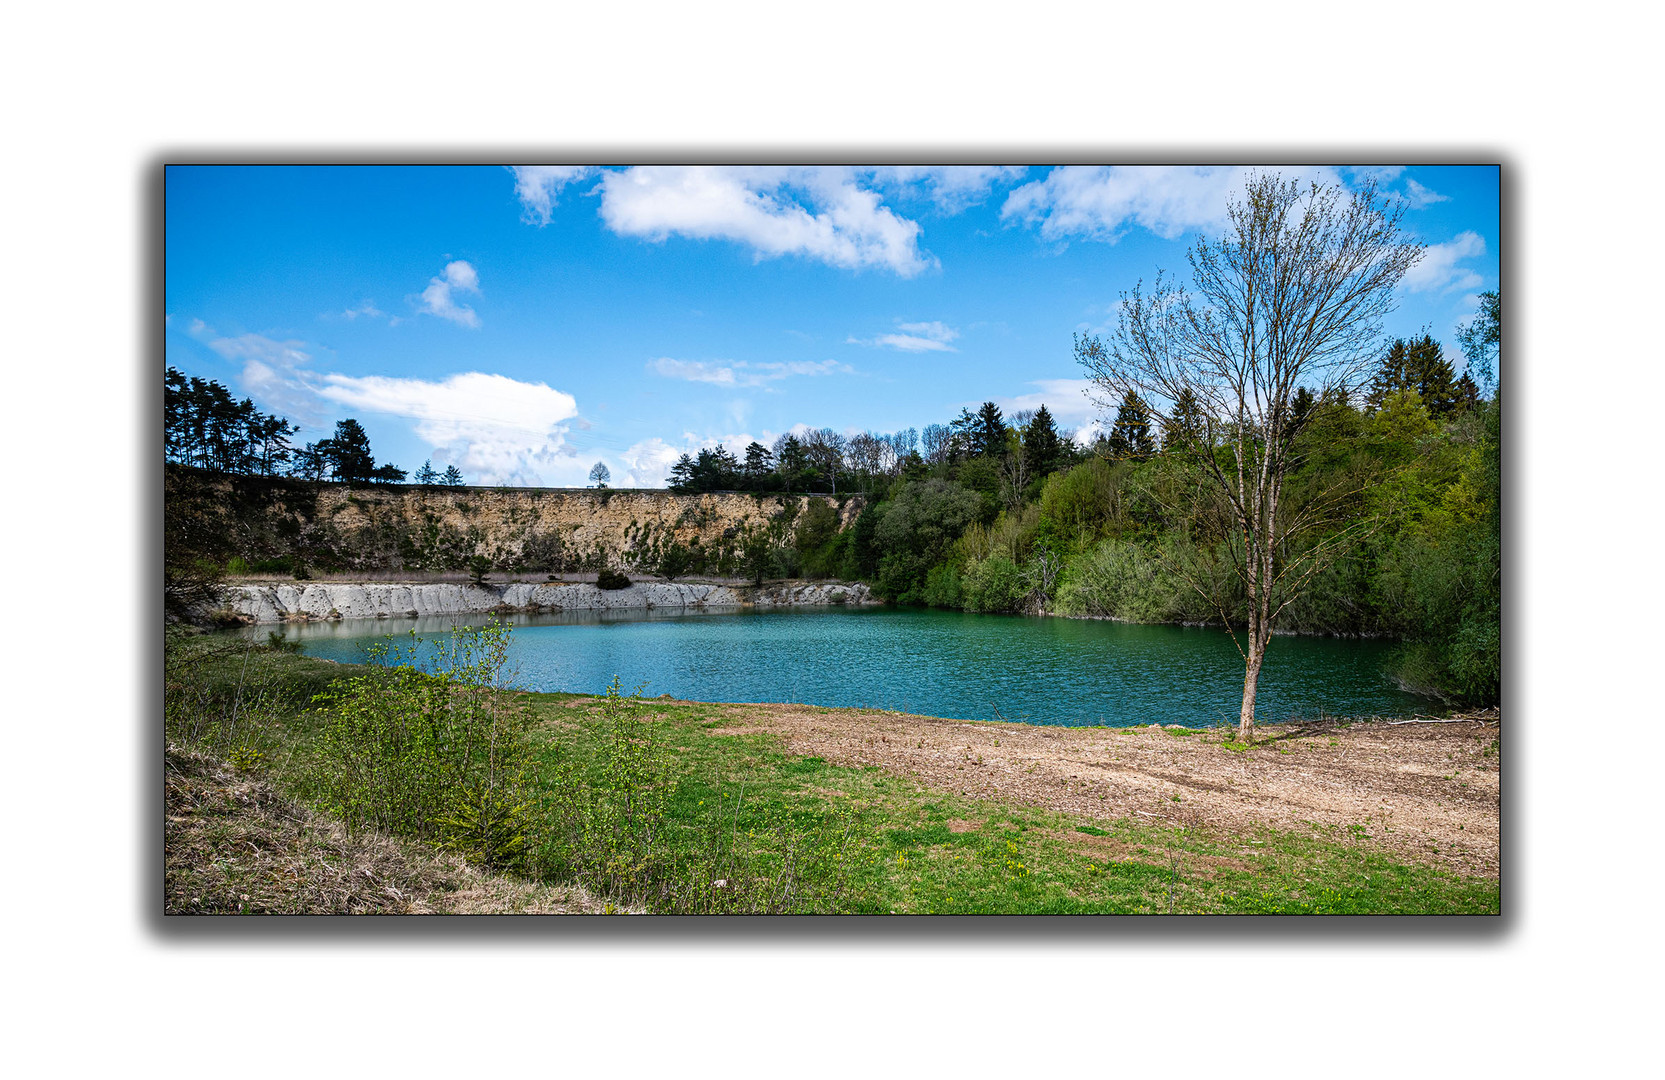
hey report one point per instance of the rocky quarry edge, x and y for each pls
(380, 600)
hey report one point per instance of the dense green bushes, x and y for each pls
(1405, 506)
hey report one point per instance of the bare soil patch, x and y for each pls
(1422, 792)
(233, 845)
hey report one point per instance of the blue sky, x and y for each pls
(525, 323)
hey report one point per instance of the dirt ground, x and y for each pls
(1423, 792)
(233, 845)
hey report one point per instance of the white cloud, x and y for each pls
(273, 371)
(816, 213)
(538, 185)
(494, 428)
(367, 308)
(436, 299)
(1101, 202)
(1438, 267)
(743, 372)
(913, 337)
(1418, 196)
(1382, 174)
(1065, 399)
(952, 188)
(648, 463)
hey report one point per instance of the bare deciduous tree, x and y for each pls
(1292, 295)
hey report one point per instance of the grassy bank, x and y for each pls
(684, 807)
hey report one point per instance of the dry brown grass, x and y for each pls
(233, 845)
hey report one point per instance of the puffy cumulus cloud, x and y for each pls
(743, 372)
(953, 188)
(648, 463)
(498, 429)
(1101, 202)
(912, 337)
(1438, 269)
(538, 185)
(437, 298)
(822, 214)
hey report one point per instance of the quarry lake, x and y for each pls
(935, 663)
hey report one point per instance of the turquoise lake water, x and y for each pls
(936, 663)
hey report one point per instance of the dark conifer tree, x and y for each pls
(1130, 435)
(1419, 365)
(1042, 447)
(791, 463)
(426, 475)
(1184, 426)
(1468, 394)
(349, 453)
(988, 436)
(682, 474)
(1433, 376)
(758, 464)
(453, 476)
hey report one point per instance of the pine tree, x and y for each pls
(1419, 365)
(426, 475)
(1434, 377)
(759, 462)
(682, 474)
(1130, 435)
(1183, 429)
(350, 457)
(989, 434)
(1042, 447)
(1393, 374)
(1468, 394)
(453, 476)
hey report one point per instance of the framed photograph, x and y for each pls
(832, 539)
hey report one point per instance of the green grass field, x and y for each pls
(905, 849)
(665, 809)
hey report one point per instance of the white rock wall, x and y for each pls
(304, 602)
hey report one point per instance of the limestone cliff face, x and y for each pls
(313, 601)
(337, 529)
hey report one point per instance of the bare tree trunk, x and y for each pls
(1251, 677)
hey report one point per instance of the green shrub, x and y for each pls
(438, 754)
(995, 584)
(611, 579)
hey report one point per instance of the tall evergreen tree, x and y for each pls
(989, 432)
(426, 475)
(1042, 447)
(1184, 427)
(1418, 364)
(349, 453)
(1468, 394)
(682, 475)
(791, 463)
(757, 466)
(1130, 435)
(453, 476)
